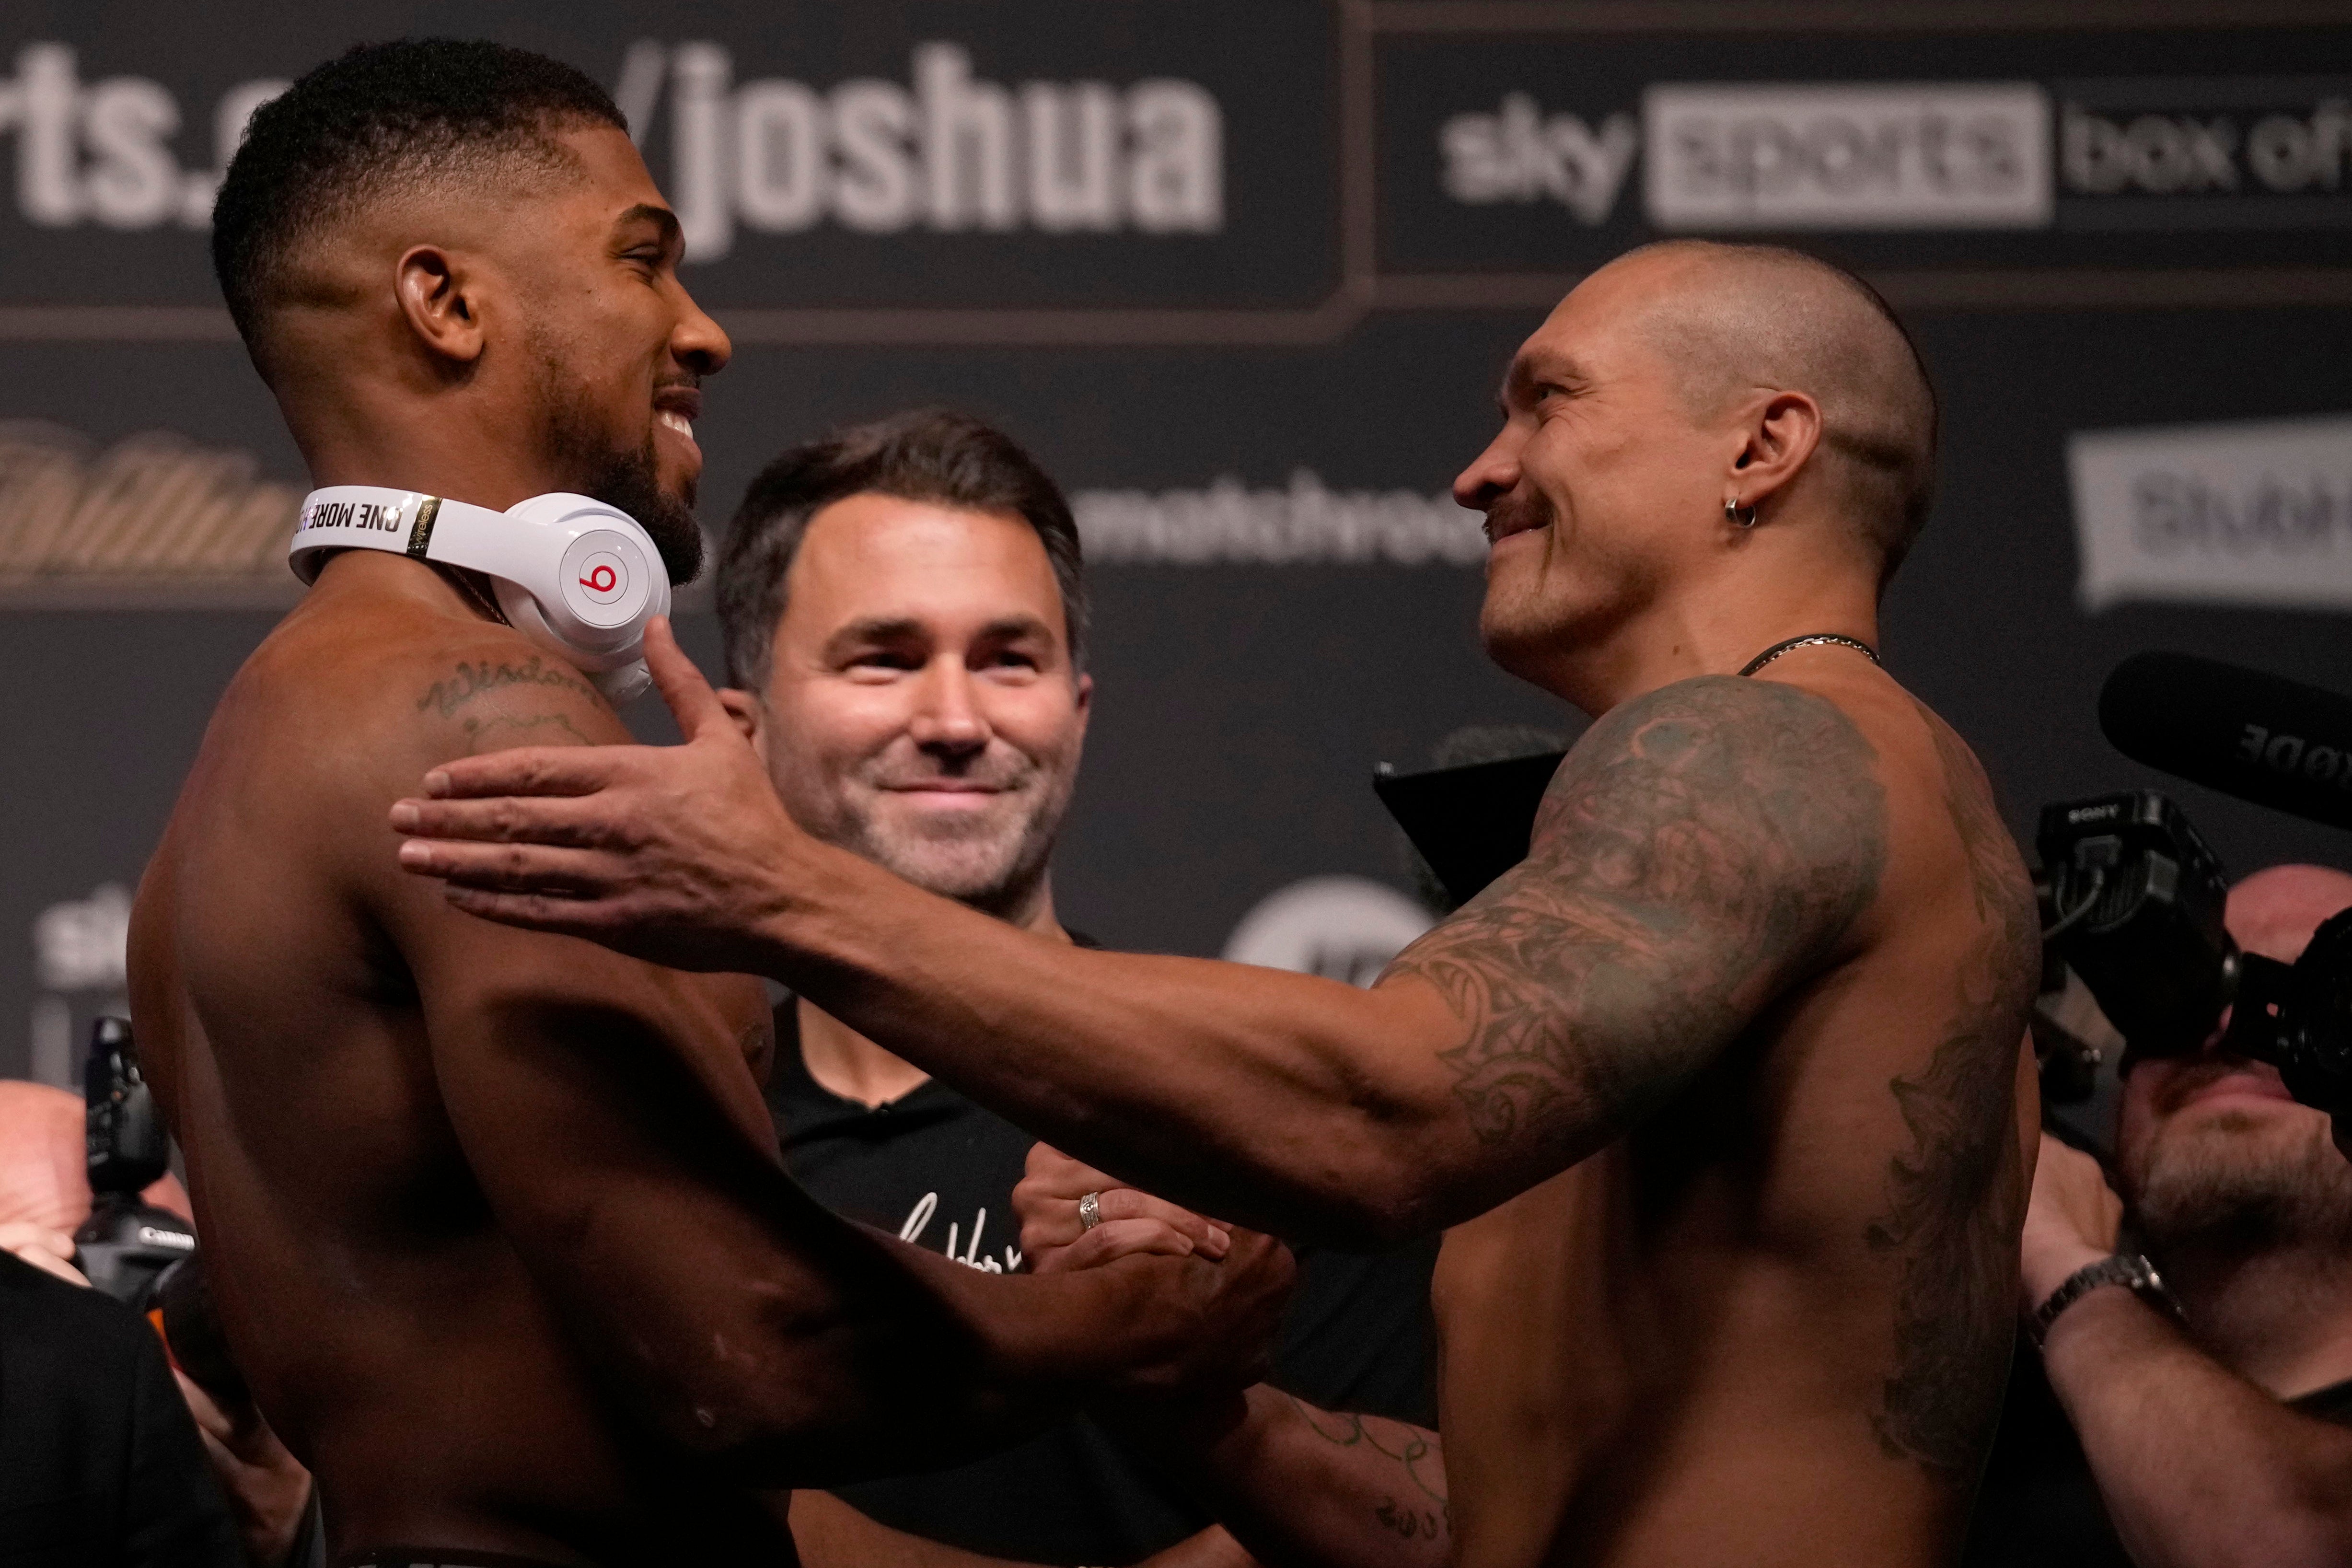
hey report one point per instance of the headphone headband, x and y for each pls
(574, 573)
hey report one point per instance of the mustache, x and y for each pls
(1518, 512)
(2204, 1072)
(984, 772)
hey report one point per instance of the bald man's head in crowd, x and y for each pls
(2214, 1154)
(45, 1162)
(1696, 414)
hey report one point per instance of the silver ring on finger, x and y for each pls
(1089, 1212)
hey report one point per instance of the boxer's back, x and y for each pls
(390, 1328)
(1771, 1324)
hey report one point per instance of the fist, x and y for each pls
(1054, 1235)
(1213, 1325)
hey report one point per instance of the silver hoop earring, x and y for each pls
(1737, 515)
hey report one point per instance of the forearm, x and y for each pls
(2199, 1468)
(1302, 1487)
(904, 1359)
(1282, 1100)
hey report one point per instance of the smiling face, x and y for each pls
(612, 348)
(2212, 1147)
(1601, 485)
(921, 709)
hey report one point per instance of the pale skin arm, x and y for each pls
(2199, 1467)
(1300, 1486)
(1705, 848)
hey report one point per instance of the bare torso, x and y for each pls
(393, 1334)
(1771, 1325)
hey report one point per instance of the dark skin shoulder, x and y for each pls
(546, 1164)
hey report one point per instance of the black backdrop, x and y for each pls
(1332, 314)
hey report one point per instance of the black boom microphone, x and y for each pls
(2274, 742)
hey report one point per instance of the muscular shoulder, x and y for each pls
(1946, 833)
(388, 694)
(1760, 799)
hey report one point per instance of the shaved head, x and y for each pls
(2275, 911)
(43, 1179)
(44, 1160)
(1750, 317)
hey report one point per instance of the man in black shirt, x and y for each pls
(905, 620)
(2208, 1414)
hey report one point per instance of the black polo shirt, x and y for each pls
(937, 1170)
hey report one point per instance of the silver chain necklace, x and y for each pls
(1812, 639)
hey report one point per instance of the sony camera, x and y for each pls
(125, 1244)
(2132, 900)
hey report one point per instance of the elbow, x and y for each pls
(1370, 1189)
(753, 1418)
(790, 1397)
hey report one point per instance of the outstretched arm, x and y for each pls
(1703, 847)
(608, 1111)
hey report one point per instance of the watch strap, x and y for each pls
(2130, 1270)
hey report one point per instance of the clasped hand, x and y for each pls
(1054, 1238)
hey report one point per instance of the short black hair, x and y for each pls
(375, 117)
(923, 455)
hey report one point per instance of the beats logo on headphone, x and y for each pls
(575, 575)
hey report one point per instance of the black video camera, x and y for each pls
(125, 1244)
(2132, 900)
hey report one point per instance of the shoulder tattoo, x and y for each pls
(455, 697)
(1700, 849)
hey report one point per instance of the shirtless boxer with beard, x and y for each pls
(1720, 1087)
(496, 1222)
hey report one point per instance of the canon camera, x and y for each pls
(126, 1243)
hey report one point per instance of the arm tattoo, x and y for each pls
(501, 729)
(1956, 1199)
(1416, 1518)
(1699, 850)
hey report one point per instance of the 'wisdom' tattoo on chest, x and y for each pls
(1957, 1196)
(1699, 850)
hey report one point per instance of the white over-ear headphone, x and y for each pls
(575, 575)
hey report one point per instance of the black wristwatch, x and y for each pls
(2128, 1269)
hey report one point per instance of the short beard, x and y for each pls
(2215, 1191)
(998, 877)
(628, 481)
